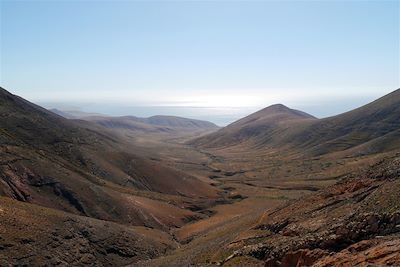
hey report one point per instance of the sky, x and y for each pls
(215, 60)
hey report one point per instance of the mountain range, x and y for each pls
(157, 123)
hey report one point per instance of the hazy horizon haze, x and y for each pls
(200, 59)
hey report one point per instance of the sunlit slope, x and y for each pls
(377, 123)
(267, 122)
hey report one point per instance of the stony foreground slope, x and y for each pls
(31, 235)
(353, 223)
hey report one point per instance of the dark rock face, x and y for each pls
(301, 257)
(20, 182)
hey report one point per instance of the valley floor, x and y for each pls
(256, 183)
(252, 187)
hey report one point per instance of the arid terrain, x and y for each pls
(277, 188)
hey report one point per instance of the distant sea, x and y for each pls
(221, 116)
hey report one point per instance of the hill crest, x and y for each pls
(278, 126)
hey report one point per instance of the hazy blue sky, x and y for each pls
(321, 56)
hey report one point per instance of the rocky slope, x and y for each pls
(353, 223)
(31, 235)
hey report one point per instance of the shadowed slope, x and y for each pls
(72, 166)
